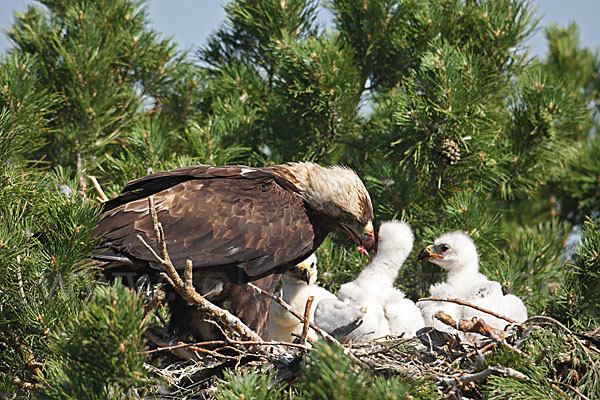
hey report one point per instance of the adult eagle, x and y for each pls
(236, 224)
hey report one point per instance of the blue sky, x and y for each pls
(190, 22)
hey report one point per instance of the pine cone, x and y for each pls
(448, 151)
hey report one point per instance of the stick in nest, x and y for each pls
(294, 313)
(98, 188)
(320, 331)
(185, 287)
(479, 326)
(476, 325)
(479, 376)
(307, 307)
(467, 304)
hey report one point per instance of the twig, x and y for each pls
(226, 342)
(571, 334)
(98, 188)
(479, 326)
(467, 304)
(181, 352)
(479, 376)
(294, 313)
(577, 392)
(186, 290)
(307, 307)
(320, 331)
(483, 350)
(476, 325)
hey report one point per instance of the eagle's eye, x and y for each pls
(444, 248)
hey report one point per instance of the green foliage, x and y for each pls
(554, 365)
(252, 384)
(533, 265)
(25, 107)
(577, 303)
(330, 374)
(99, 352)
(390, 36)
(106, 66)
(316, 98)
(44, 235)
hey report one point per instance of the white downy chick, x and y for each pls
(403, 316)
(456, 253)
(387, 311)
(297, 285)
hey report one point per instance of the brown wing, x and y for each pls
(244, 218)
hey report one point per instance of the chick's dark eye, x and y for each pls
(444, 248)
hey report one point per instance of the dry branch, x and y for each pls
(225, 342)
(294, 313)
(467, 304)
(98, 188)
(479, 376)
(307, 307)
(186, 289)
(475, 325)
(179, 351)
(320, 331)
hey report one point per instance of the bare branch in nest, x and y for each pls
(476, 325)
(226, 342)
(294, 313)
(98, 188)
(179, 351)
(467, 304)
(307, 307)
(186, 289)
(479, 326)
(479, 376)
(320, 331)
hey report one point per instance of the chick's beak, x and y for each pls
(427, 254)
(305, 273)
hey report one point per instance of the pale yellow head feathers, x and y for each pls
(336, 191)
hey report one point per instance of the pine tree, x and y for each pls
(437, 104)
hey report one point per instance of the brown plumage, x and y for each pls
(236, 224)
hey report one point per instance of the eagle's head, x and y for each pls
(338, 193)
(453, 251)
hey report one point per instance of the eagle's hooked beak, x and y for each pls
(366, 240)
(364, 237)
(426, 254)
